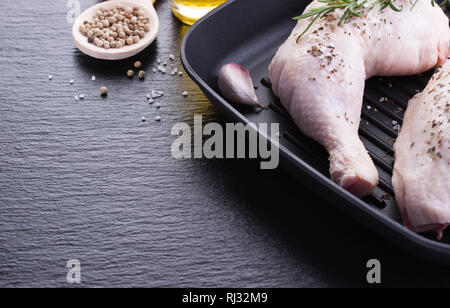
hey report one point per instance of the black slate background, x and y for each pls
(88, 180)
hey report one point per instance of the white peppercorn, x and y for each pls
(98, 42)
(104, 91)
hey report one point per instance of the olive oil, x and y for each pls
(189, 11)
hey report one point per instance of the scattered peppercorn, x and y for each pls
(130, 73)
(104, 91)
(141, 74)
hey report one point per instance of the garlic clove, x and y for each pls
(236, 85)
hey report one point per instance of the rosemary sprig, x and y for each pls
(351, 8)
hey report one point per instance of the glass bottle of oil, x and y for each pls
(189, 11)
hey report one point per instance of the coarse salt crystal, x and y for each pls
(156, 94)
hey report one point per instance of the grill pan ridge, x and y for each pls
(234, 33)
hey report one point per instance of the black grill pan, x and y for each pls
(249, 32)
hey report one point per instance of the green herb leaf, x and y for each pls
(351, 8)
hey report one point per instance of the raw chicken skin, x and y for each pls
(422, 158)
(320, 79)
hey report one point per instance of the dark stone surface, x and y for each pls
(89, 180)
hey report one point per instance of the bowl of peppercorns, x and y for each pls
(116, 29)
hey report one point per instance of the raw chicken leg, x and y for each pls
(320, 79)
(422, 158)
